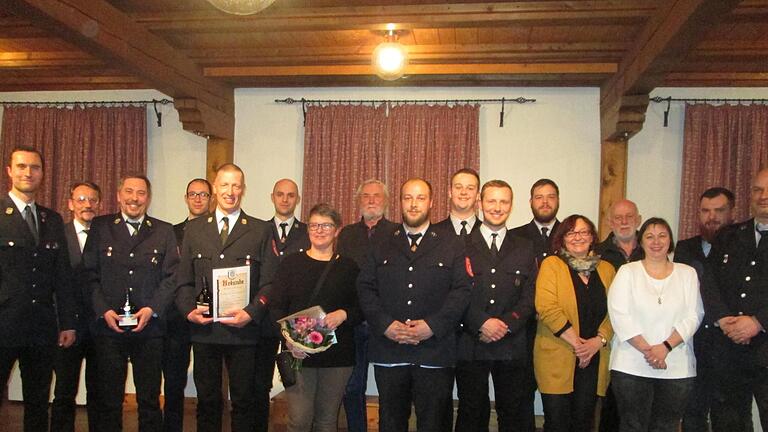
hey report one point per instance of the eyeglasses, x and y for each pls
(201, 195)
(82, 199)
(583, 234)
(321, 226)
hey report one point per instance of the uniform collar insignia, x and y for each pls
(244, 221)
(149, 222)
(116, 221)
(210, 219)
(9, 211)
(397, 232)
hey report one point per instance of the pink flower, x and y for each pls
(315, 337)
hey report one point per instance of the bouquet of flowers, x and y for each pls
(306, 332)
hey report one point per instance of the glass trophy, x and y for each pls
(127, 319)
(204, 299)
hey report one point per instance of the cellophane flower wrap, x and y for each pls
(305, 331)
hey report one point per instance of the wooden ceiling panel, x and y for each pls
(587, 39)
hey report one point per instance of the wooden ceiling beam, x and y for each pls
(667, 37)
(677, 27)
(112, 36)
(416, 69)
(406, 16)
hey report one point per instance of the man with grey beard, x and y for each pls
(355, 241)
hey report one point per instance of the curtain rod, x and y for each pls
(304, 102)
(670, 99)
(60, 104)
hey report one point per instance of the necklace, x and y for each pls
(658, 287)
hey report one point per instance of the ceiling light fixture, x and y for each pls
(241, 7)
(390, 58)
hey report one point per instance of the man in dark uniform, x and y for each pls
(465, 185)
(735, 293)
(493, 338)
(225, 238)
(289, 235)
(355, 241)
(84, 203)
(129, 260)
(413, 290)
(715, 212)
(198, 200)
(621, 246)
(34, 268)
(176, 345)
(545, 202)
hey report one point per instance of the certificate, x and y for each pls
(232, 290)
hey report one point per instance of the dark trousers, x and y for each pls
(208, 360)
(112, 356)
(176, 353)
(696, 416)
(67, 365)
(354, 396)
(509, 385)
(427, 389)
(36, 367)
(733, 387)
(264, 374)
(573, 412)
(650, 404)
(609, 413)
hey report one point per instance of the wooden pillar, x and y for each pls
(219, 152)
(613, 180)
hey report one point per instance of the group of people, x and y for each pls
(543, 306)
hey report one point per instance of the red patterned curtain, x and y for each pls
(723, 146)
(345, 145)
(97, 144)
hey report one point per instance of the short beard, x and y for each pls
(708, 233)
(417, 222)
(373, 215)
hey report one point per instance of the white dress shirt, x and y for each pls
(232, 219)
(487, 234)
(456, 222)
(80, 232)
(288, 221)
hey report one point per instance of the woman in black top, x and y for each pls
(314, 401)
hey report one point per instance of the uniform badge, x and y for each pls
(9, 211)
(397, 232)
(433, 234)
(116, 221)
(244, 221)
(210, 219)
(149, 224)
(468, 267)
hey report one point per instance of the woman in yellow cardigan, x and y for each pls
(570, 354)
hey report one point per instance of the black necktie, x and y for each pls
(544, 231)
(494, 248)
(224, 230)
(282, 231)
(463, 229)
(763, 239)
(31, 223)
(414, 241)
(136, 226)
(85, 231)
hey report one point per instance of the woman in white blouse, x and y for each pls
(655, 308)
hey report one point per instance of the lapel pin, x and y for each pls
(210, 219)
(149, 224)
(42, 217)
(244, 221)
(9, 210)
(433, 234)
(116, 221)
(397, 232)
